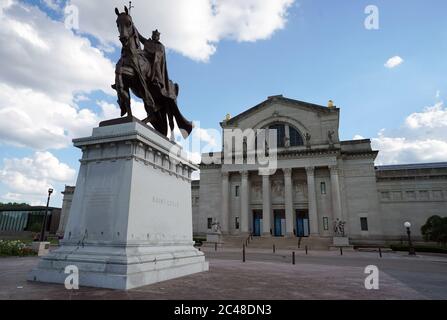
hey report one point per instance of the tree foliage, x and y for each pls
(13, 204)
(435, 229)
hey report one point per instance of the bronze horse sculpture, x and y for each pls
(144, 72)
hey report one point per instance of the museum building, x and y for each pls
(318, 181)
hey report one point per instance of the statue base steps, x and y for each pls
(119, 268)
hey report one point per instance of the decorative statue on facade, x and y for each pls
(216, 227)
(339, 228)
(330, 137)
(286, 142)
(145, 73)
(307, 137)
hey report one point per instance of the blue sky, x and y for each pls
(322, 51)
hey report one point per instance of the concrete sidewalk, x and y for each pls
(264, 275)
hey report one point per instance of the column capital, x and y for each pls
(334, 169)
(287, 172)
(266, 172)
(310, 170)
(265, 177)
(244, 174)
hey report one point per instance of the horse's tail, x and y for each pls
(184, 125)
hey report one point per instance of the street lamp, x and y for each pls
(411, 250)
(44, 224)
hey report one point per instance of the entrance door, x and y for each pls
(257, 223)
(280, 222)
(302, 223)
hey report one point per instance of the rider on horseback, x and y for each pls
(155, 52)
(146, 74)
(156, 55)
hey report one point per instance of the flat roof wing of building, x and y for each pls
(26, 208)
(414, 166)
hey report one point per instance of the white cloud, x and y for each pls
(394, 62)
(29, 178)
(422, 138)
(34, 200)
(206, 136)
(358, 137)
(80, 98)
(34, 119)
(192, 28)
(397, 150)
(46, 69)
(431, 117)
(53, 4)
(40, 53)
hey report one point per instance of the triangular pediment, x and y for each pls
(279, 100)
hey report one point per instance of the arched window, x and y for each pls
(295, 137)
(287, 134)
(280, 134)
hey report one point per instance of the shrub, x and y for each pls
(435, 229)
(199, 240)
(14, 248)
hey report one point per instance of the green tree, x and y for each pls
(13, 204)
(435, 229)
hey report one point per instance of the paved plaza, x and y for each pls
(265, 275)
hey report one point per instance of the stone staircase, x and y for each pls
(281, 243)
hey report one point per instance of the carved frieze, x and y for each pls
(256, 191)
(300, 191)
(277, 189)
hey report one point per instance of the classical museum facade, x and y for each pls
(319, 181)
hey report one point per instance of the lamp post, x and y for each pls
(411, 250)
(44, 224)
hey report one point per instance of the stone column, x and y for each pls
(312, 198)
(244, 202)
(288, 201)
(225, 223)
(266, 205)
(336, 196)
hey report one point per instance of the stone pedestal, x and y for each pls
(341, 242)
(130, 223)
(213, 238)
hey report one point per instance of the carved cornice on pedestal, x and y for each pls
(138, 152)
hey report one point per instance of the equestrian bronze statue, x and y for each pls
(146, 74)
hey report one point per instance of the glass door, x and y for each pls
(302, 223)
